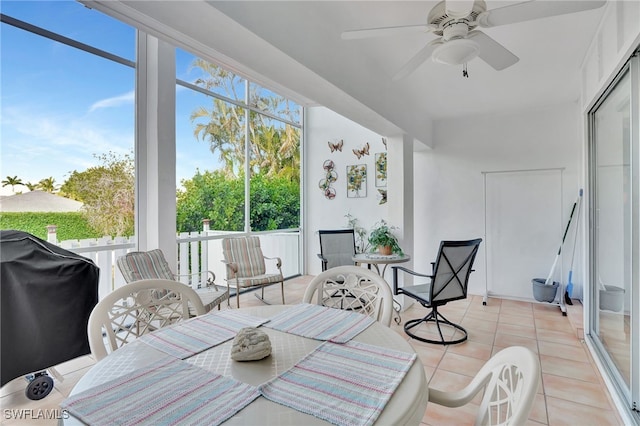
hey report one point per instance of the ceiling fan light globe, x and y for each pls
(456, 52)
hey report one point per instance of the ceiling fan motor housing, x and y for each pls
(439, 19)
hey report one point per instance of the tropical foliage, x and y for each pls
(48, 184)
(274, 145)
(107, 192)
(220, 198)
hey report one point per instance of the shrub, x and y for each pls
(71, 225)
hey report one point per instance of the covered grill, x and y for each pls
(47, 294)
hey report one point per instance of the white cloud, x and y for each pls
(127, 98)
(36, 144)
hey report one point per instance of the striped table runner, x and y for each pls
(168, 392)
(195, 335)
(345, 384)
(320, 322)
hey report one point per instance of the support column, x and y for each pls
(156, 147)
(400, 198)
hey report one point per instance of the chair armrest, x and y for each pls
(324, 261)
(277, 259)
(211, 277)
(395, 270)
(463, 396)
(409, 271)
(231, 266)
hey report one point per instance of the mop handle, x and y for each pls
(566, 230)
(575, 238)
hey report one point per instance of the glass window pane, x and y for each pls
(209, 76)
(272, 103)
(75, 21)
(275, 179)
(209, 157)
(59, 130)
(613, 260)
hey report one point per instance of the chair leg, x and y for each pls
(238, 295)
(438, 319)
(282, 289)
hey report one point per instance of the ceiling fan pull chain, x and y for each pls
(464, 70)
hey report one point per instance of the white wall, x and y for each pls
(449, 184)
(323, 125)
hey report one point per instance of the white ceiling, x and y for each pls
(296, 46)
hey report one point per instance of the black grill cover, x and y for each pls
(47, 294)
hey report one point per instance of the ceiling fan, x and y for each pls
(458, 42)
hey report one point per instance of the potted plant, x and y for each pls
(382, 239)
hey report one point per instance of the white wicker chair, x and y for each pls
(138, 308)
(353, 288)
(510, 380)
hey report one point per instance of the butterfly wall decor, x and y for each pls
(336, 146)
(383, 196)
(362, 152)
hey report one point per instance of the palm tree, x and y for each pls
(31, 186)
(274, 147)
(13, 181)
(48, 185)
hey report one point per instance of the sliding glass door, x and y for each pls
(614, 194)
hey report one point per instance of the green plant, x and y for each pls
(382, 235)
(360, 232)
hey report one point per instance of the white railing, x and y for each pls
(197, 252)
(104, 252)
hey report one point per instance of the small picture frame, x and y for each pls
(381, 169)
(357, 181)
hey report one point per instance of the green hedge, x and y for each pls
(71, 226)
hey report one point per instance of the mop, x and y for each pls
(566, 230)
(567, 293)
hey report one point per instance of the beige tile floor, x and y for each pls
(572, 391)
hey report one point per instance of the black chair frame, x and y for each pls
(432, 302)
(322, 255)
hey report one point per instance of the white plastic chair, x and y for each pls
(353, 288)
(138, 308)
(510, 380)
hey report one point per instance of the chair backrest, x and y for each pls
(138, 308)
(337, 247)
(354, 288)
(452, 268)
(246, 253)
(144, 265)
(509, 380)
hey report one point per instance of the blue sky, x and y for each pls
(60, 106)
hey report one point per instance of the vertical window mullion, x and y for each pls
(247, 166)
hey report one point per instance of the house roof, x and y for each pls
(38, 201)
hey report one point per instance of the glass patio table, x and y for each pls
(379, 259)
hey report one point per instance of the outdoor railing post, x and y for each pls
(52, 235)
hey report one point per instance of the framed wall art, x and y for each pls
(357, 181)
(381, 169)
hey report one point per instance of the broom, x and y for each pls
(567, 293)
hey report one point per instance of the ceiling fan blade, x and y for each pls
(492, 52)
(383, 31)
(417, 60)
(459, 8)
(531, 10)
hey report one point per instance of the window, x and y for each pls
(218, 113)
(68, 113)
